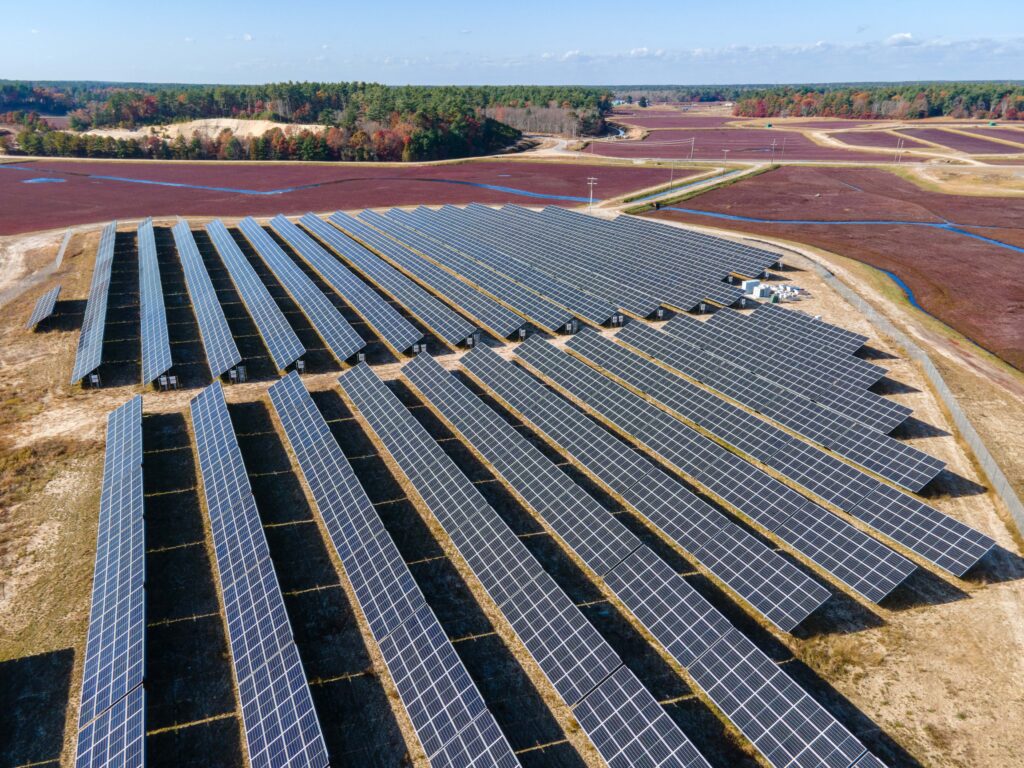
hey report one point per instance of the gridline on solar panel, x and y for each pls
(89, 354)
(829, 428)
(570, 652)
(116, 738)
(44, 307)
(764, 499)
(839, 336)
(279, 721)
(588, 529)
(442, 321)
(630, 728)
(504, 260)
(785, 724)
(156, 346)
(338, 335)
(550, 256)
(282, 343)
(434, 686)
(763, 578)
(114, 655)
(482, 745)
(394, 329)
(869, 761)
(490, 314)
(219, 344)
(506, 291)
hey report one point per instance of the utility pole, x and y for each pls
(899, 151)
(725, 155)
(774, 142)
(591, 181)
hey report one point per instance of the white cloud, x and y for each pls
(324, 47)
(900, 39)
(189, 40)
(247, 37)
(570, 55)
(35, 31)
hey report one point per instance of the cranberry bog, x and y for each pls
(655, 120)
(956, 255)
(972, 145)
(877, 139)
(48, 194)
(750, 144)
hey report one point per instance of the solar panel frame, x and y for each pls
(397, 332)
(89, 353)
(280, 339)
(221, 352)
(339, 337)
(43, 308)
(156, 345)
(442, 321)
(279, 721)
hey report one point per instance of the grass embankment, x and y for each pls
(655, 204)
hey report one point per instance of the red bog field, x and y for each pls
(879, 139)
(50, 194)
(971, 284)
(750, 144)
(972, 145)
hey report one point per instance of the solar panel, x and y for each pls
(442, 321)
(338, 335)
(89, 354)
(869, 761)
(565, 646)
(435, 688)
(116, 738)
(491, 315)
(397, 332)
(156, 346)
(282, 343)
(630, 728)
(763, 578)
(588, 529)
(279, 721)
(221, 352)
(761, 499)
(785, 724)
(114, 644)
(44, 307)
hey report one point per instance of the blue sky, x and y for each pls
(598, 42)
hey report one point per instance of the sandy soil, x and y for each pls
(209, 127)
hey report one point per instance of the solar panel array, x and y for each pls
(156, 345)
(221, 352)
(491, 315)
(785, 724)
(446, 324)
(853, 557)
(443, 703)
(397, 332)
(89, 354)
(280, 724)
(338, 335)
(568, 650)
(501, 257)
(282, 343)
(922, 529)
(508, 292)
(44, 307)
(110, 719)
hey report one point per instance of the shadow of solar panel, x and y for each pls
(502, 258)
(490, 314)
(523, 301)
(156, 346)
(43, 308)
(89, 353)
(394, 329)
(338, 335)
(442, 321)
(116, 738)
(279, 721)
(569, 651)
(114, 656)
(221, 352)
(631, 729)
(282, 343)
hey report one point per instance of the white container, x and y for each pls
(748, 286)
